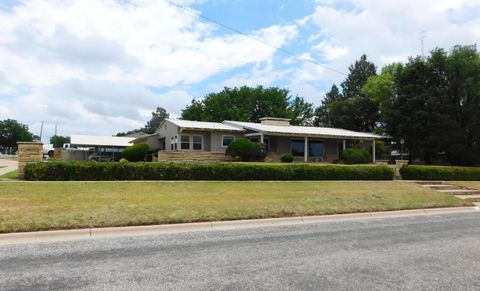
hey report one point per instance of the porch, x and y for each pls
(308, 148)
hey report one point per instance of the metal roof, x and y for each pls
(203, 125)
(98, 140)
(302, 130)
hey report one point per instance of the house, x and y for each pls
(178, 140)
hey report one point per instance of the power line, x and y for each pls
(297, 57)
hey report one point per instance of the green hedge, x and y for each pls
(85, 171)
(420, 172)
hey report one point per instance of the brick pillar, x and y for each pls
(28, 152)
(57, 154)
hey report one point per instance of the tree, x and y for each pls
(58, 140)
(151, 126)
(249, 104)
(351, 109)
(433, 103)
(382, 89)
(301, 112)
(321, 114)
(11, 132)
(157, 117)
(358, 76)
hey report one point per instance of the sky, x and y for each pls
(100, 67)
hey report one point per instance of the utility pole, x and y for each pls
(41, 131)
(422, 39)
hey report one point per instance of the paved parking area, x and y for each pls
(7, 165)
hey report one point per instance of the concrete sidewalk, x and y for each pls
(7, 166)
(92, 233)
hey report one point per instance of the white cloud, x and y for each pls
(86, 63)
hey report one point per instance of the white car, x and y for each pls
(48, 150)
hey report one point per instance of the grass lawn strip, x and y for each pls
(10, 175)
(31, 206)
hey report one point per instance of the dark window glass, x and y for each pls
(298, 148)
(227, 139)
(316, 149)
(185, 142)
(197, 142)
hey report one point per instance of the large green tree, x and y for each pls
(11, 132)
(250, 104)
(350, 109)
(434, 104)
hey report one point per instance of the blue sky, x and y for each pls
(101, 66)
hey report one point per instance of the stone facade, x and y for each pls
(57, 154)
(28, 152)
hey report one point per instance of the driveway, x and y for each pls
(7, 165)
(438, 252)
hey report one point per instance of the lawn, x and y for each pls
(10, 175)
(30, 206)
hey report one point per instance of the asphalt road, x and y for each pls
(410, 253)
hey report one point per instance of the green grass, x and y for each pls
(10, 175)
(31, 206)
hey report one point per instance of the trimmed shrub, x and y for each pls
(85, 171)
(286, 158)
(136, 153)
(246, 150)
(258, 152)
(421, 172)
(355, 155)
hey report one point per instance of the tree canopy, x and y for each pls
(250, 104)
(11, 132)
(351, 108)
(151, 126)
(58, 140)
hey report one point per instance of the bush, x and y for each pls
(136, 153)
(258, 152)
(421, 172)
(355, 155)
(286, 158)
(110, 171)
(246, 150)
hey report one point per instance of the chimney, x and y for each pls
(275, 121)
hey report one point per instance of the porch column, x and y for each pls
(373, 151)
(305, 153)
(344, 144)
(261, 138)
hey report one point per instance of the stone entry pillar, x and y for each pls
(28, 152)
(57, 154)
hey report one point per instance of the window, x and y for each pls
(266, 142)
(171, 144)
(227, 139)
(316, 149)
(197, 142)
(298, 148)
(185, 142)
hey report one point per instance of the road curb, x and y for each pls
(92, 233)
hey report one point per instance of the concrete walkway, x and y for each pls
(7, 166)
(463, 192)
